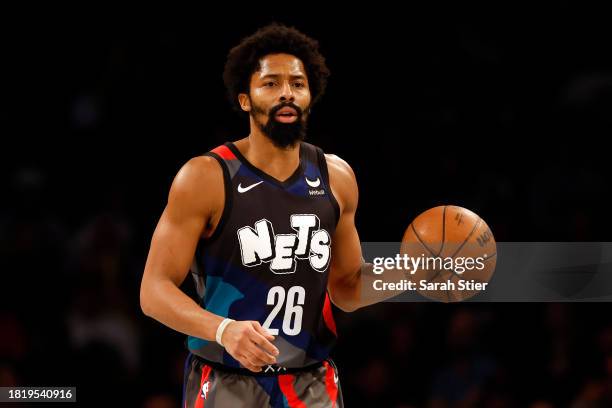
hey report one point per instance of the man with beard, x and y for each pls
(266, 226)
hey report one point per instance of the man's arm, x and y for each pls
(181, 225)
(196, 196)
(349, 273)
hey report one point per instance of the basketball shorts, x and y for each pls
(211, 385)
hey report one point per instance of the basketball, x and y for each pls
(458, 253)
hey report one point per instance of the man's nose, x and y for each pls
(287, 93)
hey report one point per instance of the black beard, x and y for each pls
(282, 135)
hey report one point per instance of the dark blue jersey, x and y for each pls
(268, 259)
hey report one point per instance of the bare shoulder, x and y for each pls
(196, 173)
(343, 181)
(337, 164)
(198, 185)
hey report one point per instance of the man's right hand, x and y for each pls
(249, 343)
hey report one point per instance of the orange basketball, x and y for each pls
(447, 238)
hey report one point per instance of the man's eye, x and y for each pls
(270, 84)
(299, 85)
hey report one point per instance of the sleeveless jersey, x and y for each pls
(268, 259)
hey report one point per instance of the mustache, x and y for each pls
(274, 110)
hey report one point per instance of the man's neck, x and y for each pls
(261, 152)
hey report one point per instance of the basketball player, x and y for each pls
(266, 226)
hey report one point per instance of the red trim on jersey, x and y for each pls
(199, 402)
(285, 382)
(224, 152)
(330, 383)
(328, 316)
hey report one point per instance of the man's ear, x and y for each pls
(245, 102)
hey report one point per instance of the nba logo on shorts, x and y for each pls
(205, 389)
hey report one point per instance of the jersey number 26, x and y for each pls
(293, 310)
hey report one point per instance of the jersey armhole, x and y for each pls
(227, 206)
(325, 174)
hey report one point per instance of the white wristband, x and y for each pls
(221, 329)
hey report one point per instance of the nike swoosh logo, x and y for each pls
(247, 188)
(335, 377)
(313, 184)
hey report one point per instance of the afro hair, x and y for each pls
(244, 59)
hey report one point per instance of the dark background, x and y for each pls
(505, 111)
